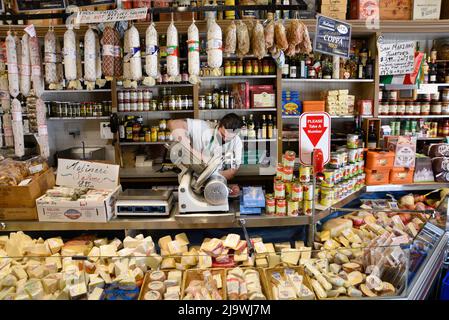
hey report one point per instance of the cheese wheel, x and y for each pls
(157, 286)
(157, 276)
(152, 295)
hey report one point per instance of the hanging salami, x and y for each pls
(70, 59)
(42, 129)
(135, 54)
(99, 80)
(17, 128)
(172, 53)
(126, 61)
(90, 59)
(151, 55)
(25, 69)
(193, 44)
(36, 66)
(111, 61)
(13, 71)
(214, 47)
(50, 59)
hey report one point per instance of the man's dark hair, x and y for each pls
(231, 121)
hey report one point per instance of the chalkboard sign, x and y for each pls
(34, 5)
(88, 3)
(396, 58)
(332, 37)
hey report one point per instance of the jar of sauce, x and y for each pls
(425, 108)
(435, 108)
(401, 108)
(392, 108)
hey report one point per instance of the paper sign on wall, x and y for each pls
(314, 133)
(84, 17)
(77, 173)
(396, 57)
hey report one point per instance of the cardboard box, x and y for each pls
(395, 9)
(405, 151)
(75, 173)
(7, 214)
(426, 9)
(333, 8)
(341, 3)
(334, 14)
(364, 9)
(25, 196)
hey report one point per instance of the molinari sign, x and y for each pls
(332, 37)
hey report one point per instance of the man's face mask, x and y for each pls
(227, 134)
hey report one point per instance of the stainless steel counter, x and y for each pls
(407, 187)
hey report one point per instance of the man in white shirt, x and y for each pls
(209, 140)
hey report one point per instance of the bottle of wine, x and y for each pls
(251, 128)
(358, 130)
(425, 70)
(269, 127)
(302, 68)
(360, 69)
(293, 70)
(433, 53)
(244, 130)
(433, 72)
(286, 68)
(369, 69)
(372, 137)
(264, 127)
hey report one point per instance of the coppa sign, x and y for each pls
(314, 133)
(332, 37)
(77, 173)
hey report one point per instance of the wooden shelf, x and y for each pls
(157, 112)
(287, 80)
(142, 143)
(78, 118)
(159, 85)
(84, 91)
(415, 116)
(238, 77)
(239, 110)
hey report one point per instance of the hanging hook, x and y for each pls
(172, 15)
(193, 17)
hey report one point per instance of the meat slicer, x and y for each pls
(201, 187)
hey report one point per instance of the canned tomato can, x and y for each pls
(279, 190)
(281, 207)
(307, 191)
(307, 207)
(270, 205)
(292, 208)
(360, 154)
(353, 155)
(327, 197)
(289, 159)
(297, 194)
(279, 171)
(334, 161)
(288, 188)
(329, 178)
(352, 141)
(288, 173)
(304, 174)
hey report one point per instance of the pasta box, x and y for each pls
(82, 174)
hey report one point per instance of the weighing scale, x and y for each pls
(144, 203)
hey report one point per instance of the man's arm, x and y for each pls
(178, 129)
(229, 173)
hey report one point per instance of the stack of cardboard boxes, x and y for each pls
(335, 9)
